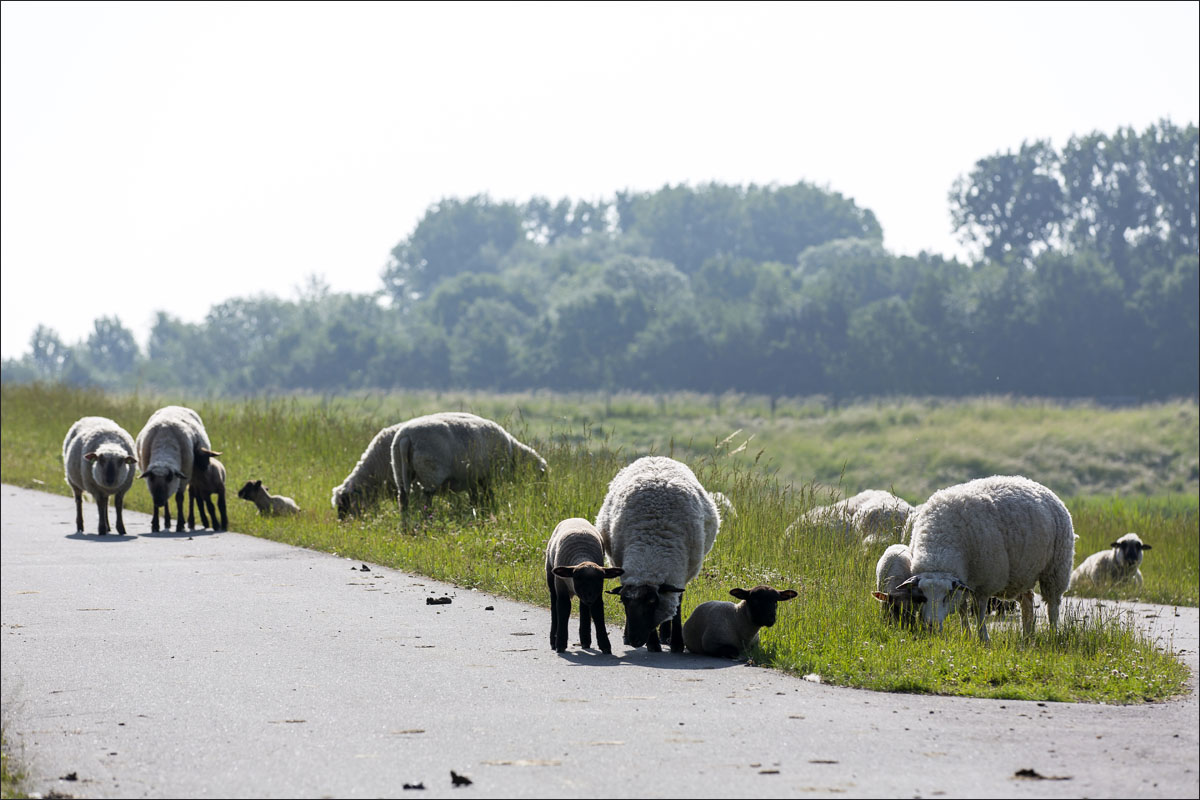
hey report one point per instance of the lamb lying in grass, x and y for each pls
(266, 502)
(1119, 564)
(720, 628)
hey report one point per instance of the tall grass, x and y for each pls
(303, 446)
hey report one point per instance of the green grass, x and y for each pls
(303, 446)
(12, 778)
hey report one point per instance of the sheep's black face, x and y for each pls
(588, 580)
(763, 602)
(162, 483)
(645, 609)
(247, 492)
(1129, 551)
(347, 504)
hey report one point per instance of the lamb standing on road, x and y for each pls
(98, 458)
(723, 629)
(1110, 567)
(458, 452)
(266, 502)
(994, 537)
(203, 485)
(171, 445)
(574, 567)
(658, 523)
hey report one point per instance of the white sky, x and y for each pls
(170, 156)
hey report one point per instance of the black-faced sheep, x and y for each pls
(203, 485)
(658, 523)
(266, 502)
(992, 537)
(170, 446)
(574, 559)
(1119, 564)
(458, 452)
(723, 629)
(98, 458)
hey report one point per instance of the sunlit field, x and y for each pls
(1130, 469)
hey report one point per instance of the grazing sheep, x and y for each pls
(658, 523)
(371, 477)
(720, 628)
(458, 452)
(993, 537)
(1107, 568)
(874, 516)
(170, 447)
(203, 485)
(98, 458)
(574, 556)
(893, 569)
(267, 503)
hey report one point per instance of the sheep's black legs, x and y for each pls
(601, 631)
(78, 510)
(585, 625)
(224, 512)
(553, 612)
(102, 510)
(120, 504)
(562, 622)
(677, 628)
(179, 511)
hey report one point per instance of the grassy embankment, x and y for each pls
(1119, 470)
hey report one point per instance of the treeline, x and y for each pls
(1087, 285)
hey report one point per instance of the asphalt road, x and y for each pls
(221, 665)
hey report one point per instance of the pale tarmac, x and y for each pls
(221, 665)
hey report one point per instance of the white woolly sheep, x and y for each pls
(170, 446)
(574, 559)
(371, 477)
(203, 485)
(1118, 564)
(658, 523)
(266, 502)
(723, 629)
(993, 537)
(874, 516)
(98, 458)
(456, 451)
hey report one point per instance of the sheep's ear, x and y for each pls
(130, 460)
(615, 590)
(90, 456)
(666, 587)
(613, 572)
(210, 453)
(1114, 544)
(180, 475)
(1146, 547)
(257, 484)
(564, 572)
(787, 594)
(881, 597)
(739, 593)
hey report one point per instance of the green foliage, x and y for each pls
(302, 446)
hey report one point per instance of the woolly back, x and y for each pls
(657, 521)
(998, 535)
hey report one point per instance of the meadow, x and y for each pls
(1118, 470)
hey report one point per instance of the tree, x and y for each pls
(111, 347)
(48, 352)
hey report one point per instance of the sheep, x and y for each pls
(874, 516)
(574, 558)
(203, 485)
(267, 503)
(893, 569)
(171, 445)
(98, 458)
(720, 628)
(456, 451)
(991, 537)
(1109, 567)
(658, 523)
(371, 477)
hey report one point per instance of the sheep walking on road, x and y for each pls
(658, 523)
(98, 458)
(203, 485)
(724, 629)
(991, 537)
(574, 568)
(171, 445)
